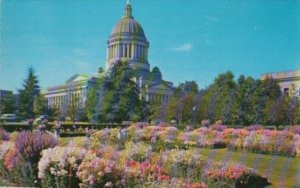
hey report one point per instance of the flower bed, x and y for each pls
(110, 167)
(253, 138)
(19, 164)
(133, 160)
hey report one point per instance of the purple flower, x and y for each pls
(30, 144)
(4, 135)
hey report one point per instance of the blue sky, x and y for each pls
(189, 39)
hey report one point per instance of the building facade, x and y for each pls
(74, 92)
(5, 93)
(288, 81)
(128, 43)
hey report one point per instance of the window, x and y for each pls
(286, 91)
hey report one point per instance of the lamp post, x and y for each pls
(194, 109)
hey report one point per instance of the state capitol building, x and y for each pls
(128, 43)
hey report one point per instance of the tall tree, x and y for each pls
(91, 102)
(121, 100)
(183, 106)
(293, 110)
(7, 105)
(40, 105)
(30, 91)
(74, 107)
(155, 110)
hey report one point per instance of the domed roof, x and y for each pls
(128, 24)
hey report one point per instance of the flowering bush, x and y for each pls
(11, 166)
(58, 166)
(97, 172)
(21, 161)
(169, 134)
(294, 129)
(29, 144)
(205, 137)
(105, 136)
(231, 175)
(218, 127)
(138, 151)
(107, 152)
(270, 142)
(205, 123)
(5, 136)
(182, 163)
(136, 174)
(11, 159)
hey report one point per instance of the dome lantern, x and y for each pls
(128, 11)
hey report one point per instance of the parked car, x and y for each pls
(11, 118)
(173, 122)
(41, 118)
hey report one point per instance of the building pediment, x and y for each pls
(160, 86)
(77, 78)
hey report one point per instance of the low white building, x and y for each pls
(288, 81)
(73, 91)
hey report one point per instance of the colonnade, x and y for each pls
(164, 98)
(131, 50)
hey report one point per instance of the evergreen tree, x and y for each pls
(243, 107)
(28, 94)
(258, 102)
(92, 98)
(40, 105)
(7, 104)
(121, 100)
(91, 103)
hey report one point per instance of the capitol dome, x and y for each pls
(128, 26)
(128, 42)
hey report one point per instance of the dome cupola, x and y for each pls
(127, 25)
(128, 42)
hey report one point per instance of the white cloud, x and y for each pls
(80, 52)
(182, 48)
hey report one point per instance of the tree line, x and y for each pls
(243, 101)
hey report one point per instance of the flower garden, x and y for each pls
(143, 156)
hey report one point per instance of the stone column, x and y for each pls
(107, 53)
(132, 51)
(110, 52)
(118, 51)
(123, 50)
(135, 51)
(115, 51)
(128, 47)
